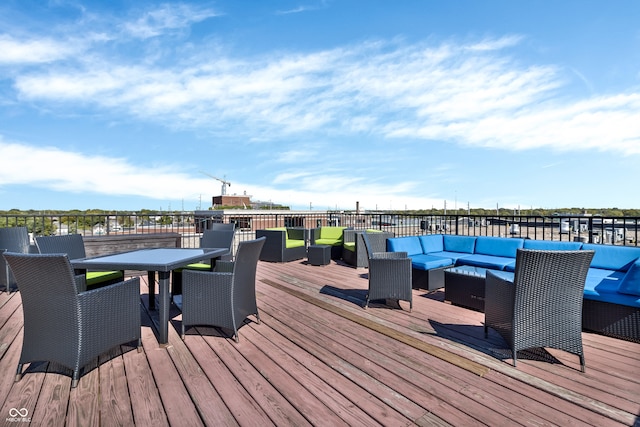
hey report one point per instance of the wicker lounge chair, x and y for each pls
(542, 307)
(66, 326)
(283, 244)
(389, 275)
(12, 239)
(223, 299)
(73, 246)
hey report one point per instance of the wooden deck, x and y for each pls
(319, 358)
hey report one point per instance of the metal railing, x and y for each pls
(593, 229)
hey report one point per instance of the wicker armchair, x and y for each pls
(283, 244)
(353, 249)
(12, 239)
(66, 326)
(389, 275)
(223, 299)
(213, 238)
(542, 307)
(73, 246)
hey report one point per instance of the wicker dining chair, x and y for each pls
(12, 239)
(215, 238)
(542, 306)
(389, 275)
(223, 299)
(73, 246)
(66, 326)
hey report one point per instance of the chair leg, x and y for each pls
(515, 357)
(19, 373)
(258, 317)
(582, 366)
(75, 379)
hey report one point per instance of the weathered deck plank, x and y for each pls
(319, 358)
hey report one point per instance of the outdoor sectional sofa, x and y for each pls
(611, 302)
(283, 244)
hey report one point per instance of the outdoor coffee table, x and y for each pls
(162, 260)
(464, 286)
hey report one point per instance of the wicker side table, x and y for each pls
(319, 254)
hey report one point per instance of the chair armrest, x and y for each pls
(224, 266)
(390, 255)
(81, 282)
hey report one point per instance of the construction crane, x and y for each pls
(223, 181)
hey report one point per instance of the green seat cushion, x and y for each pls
(330, 242)
(294, 243)
(97, 277)
(277, 228)
(332, 233)
(350, 246)
(195, 266)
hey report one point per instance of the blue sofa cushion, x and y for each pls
(432, 243)
(551, 245)
(454, 256)
(602, 285)
(486, 261)
(428, 262)
(411, 245)
(498, 246)
(463, 244)
(630, 283)
(611, 257)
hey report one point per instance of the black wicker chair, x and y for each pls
(213, 238)
(223, 299)
(542, 307)
(358, 256)
(66, 326)
(12, 239)
(389, 275)
(73, 246)
(275, 248)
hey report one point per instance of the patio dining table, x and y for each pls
(161, 260)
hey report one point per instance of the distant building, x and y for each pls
(243, 201)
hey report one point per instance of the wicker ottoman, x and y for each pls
(319, 254)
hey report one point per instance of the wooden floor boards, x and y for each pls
(319, 358)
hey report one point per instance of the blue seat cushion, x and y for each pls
(498, 246)
(611, 257)
(602, 285)
(551, 245)
(411, 245)
(428, 262)
(463, 244)
(486, 261)
(455, 256)
(432, 243)
(630, 283)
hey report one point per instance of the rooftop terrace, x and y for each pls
(319, 358)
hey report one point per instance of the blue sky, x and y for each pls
(320, 104)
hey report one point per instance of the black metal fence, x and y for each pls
(593, 229)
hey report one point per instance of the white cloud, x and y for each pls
(34, 51)
(166, 17)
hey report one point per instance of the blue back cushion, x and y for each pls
(463, 244)
(612, 257)
(411, 245)
(550, 245)
(432, 243)
(498, 246)
(630, 283)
